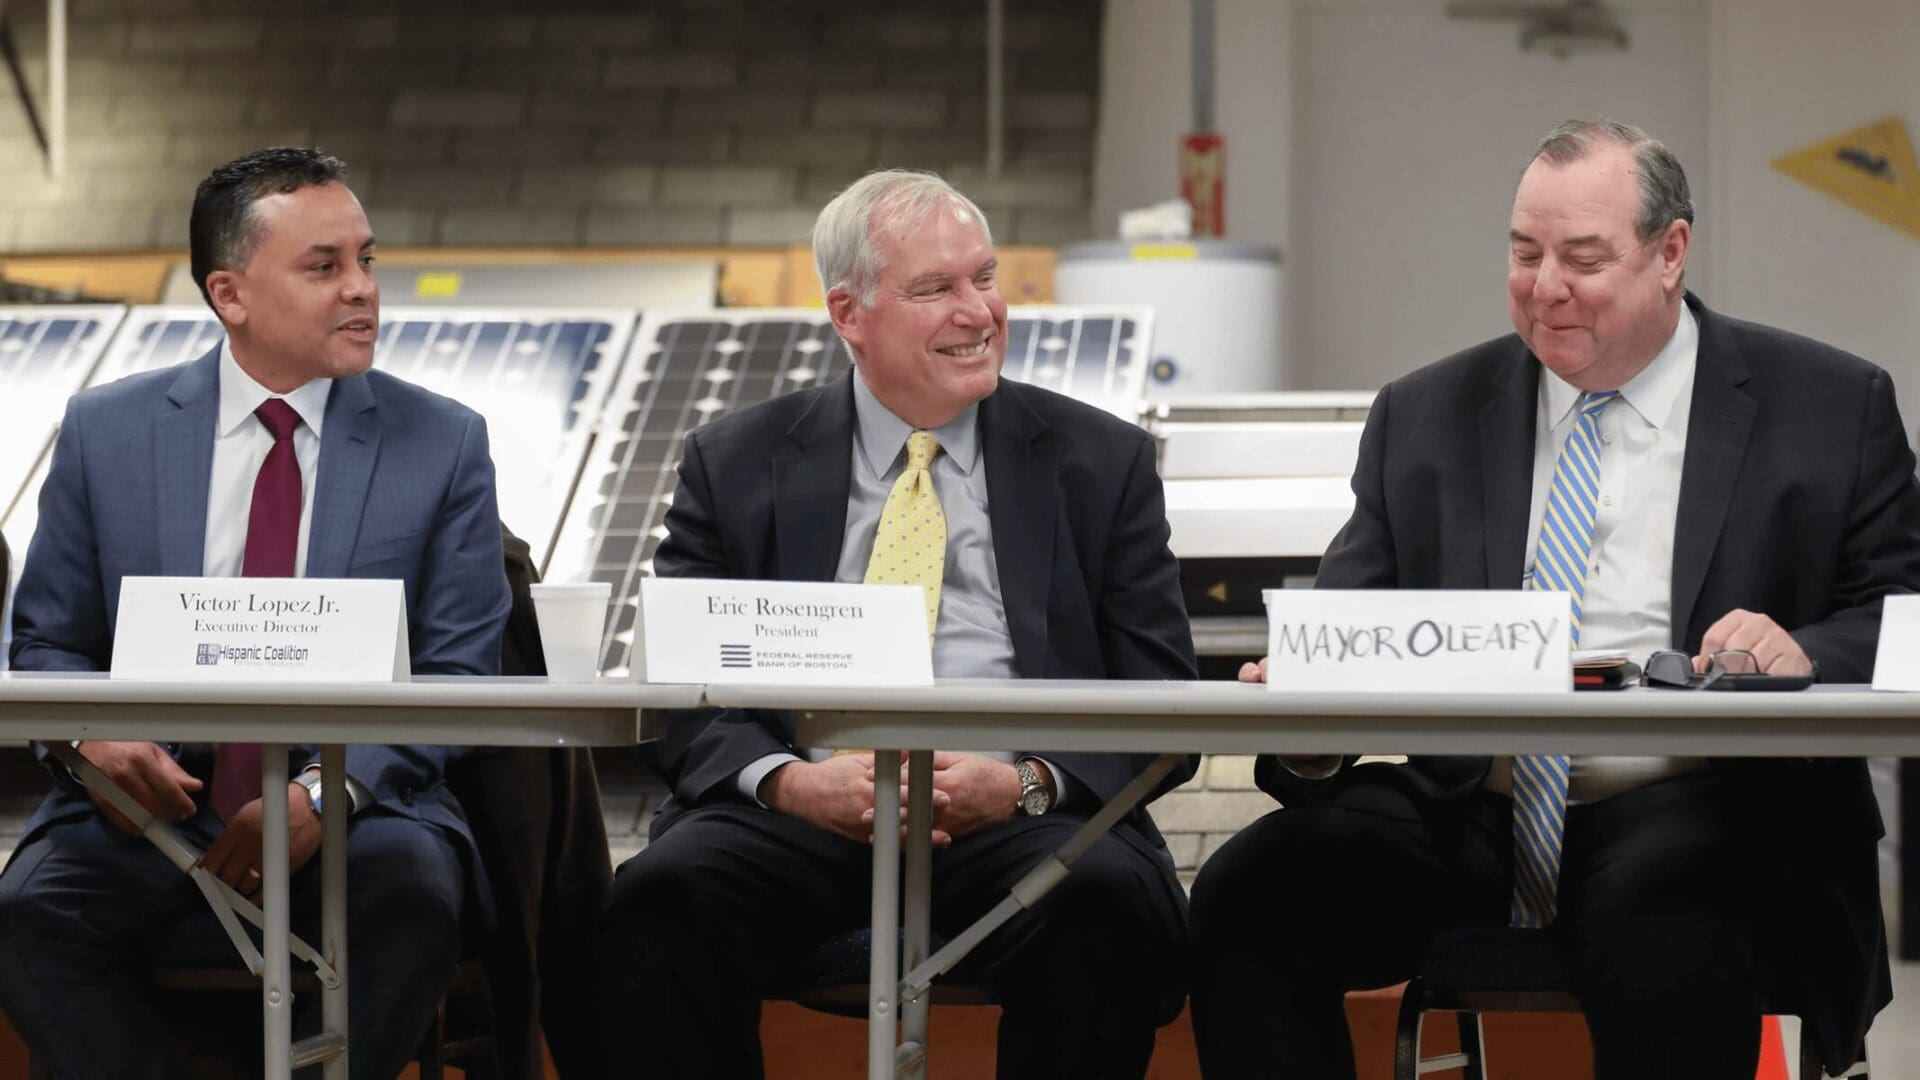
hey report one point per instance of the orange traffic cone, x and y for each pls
(1773, 1051)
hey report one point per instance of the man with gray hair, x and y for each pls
(1042, 547)
(1694, 483)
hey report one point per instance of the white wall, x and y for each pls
(1412, 132)
(1785, 74)
(1377, 143)
(1146, 105)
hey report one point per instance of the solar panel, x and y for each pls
(46, 353)
(539, 377)
(689, 369)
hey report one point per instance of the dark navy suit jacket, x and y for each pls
(404, 490)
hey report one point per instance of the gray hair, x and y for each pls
(1664, 198)
(844, 254)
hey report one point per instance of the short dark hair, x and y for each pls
(1664, 198)
(223, 231)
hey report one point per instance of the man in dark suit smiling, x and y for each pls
(1048, 558)
(1694, 483)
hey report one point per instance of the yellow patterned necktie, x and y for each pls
(910, 547)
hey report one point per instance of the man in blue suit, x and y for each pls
(200, 470)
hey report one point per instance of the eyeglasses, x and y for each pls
(1674, 670)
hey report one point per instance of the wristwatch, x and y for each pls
(1035, 799)
(312, 784)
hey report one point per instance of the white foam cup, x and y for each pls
(571, 618)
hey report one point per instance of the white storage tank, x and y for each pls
(1216, 303)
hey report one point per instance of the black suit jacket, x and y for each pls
(1090, 588)
(1797, 500)
(537, 821)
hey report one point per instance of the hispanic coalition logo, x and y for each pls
(207, 654)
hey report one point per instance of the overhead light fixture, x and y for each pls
(1557, 29)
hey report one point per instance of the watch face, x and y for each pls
(1034, 801)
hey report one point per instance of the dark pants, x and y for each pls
(1312, 901)
(85, 910)
(729, 903)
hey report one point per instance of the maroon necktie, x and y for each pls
(273, 541)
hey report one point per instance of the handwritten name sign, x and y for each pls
(811, 633)
(261, 629)
(1896, 665)
(1426, 641)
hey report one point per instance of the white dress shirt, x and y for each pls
(240, 445)
(1629, 586)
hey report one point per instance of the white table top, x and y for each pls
(428, 710)
(1224, 717)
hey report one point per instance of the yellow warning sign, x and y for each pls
(437, 285)
(1871, 170)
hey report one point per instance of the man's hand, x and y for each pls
(1305, 766)
(971, 793)
(835, 794)
(1774, 648)
(148, 774)
(234, 856)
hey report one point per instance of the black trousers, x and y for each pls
(729, 903)
(1313, 901)
(85, 910)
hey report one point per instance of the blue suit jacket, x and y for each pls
(404, 490)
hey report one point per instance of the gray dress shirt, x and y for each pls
(971, 639)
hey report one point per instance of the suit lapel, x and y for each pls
(1718, 427)
(812, 477)
(349, 446)
(183, 439)
(1023, 475)
(1506, 467)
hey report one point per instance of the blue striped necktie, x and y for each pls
(1560, 564)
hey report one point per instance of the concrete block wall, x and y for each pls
(551, 122)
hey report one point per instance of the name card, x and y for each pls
(702, 630)
(261, 630)
(1896, 664)
(1424, 641)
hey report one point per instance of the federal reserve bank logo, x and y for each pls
(208, 654)
(736, 656)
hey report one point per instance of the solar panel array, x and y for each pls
(539, 377)
(546, 381)
(688, 370)
(46, 353)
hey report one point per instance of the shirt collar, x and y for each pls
(1652, 393)
(240, 395)
(881, 436)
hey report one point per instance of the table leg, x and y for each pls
(919, 906)
(333, 899)
(276, 992)
(883, 975)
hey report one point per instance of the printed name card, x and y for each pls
(1424, 641)
(1896, 665)
(261, 630)
(815, 633)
